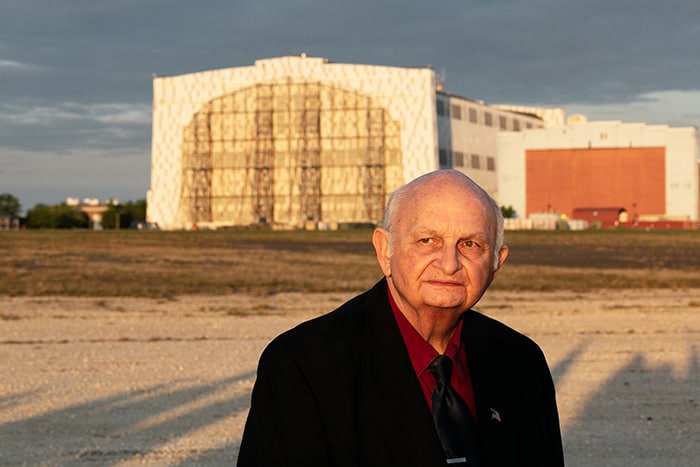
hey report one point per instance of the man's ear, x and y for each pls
(380, 241)
(502, 255)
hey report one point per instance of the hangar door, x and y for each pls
(287, 153)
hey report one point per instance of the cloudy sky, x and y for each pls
(76, 75)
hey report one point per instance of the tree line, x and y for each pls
(63, 216)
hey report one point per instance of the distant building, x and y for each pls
(297, 141)
(9, 222)
(93, 208)
(467, 134)
(303, 142)
(607, 172)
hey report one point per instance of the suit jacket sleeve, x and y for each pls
(284, 425)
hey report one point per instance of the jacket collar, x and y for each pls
(395, 395)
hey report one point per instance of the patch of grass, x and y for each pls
(9, 317)
(236, 311)
(165, 265)
(257, 310)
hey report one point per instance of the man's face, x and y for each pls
(440, 250)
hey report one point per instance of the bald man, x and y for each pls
(407, 374)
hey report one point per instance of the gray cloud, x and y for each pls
(525, 51)
(61, 126)
(76, 75)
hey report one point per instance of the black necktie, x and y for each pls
(452, 417)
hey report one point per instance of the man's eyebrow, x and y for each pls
(480, 236)
(477, 234)
(422, 231)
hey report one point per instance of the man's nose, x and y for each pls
(448, 261)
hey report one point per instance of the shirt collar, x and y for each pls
(419, 351)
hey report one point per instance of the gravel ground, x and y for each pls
(125, 381)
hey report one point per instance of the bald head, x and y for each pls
(400, 199)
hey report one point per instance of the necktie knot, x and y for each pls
(441, 368)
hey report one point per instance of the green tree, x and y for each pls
(508, 212)
(137, 210)
(9, 204)
(131, 211)
(39, 217)
(60, 216)
(67, 217)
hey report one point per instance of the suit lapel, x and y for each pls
(394, 401)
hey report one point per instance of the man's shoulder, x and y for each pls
(344, 322)
(353, 310)
(493, 333)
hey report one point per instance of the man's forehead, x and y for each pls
(447, 215)
(426, 203)
(440, 190)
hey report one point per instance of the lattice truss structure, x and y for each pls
(287, 152)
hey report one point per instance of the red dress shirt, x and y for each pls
(421, 354)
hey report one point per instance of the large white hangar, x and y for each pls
(293, 141)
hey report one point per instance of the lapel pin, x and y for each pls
(495, 415)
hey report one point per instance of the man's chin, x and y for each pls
(448, 303)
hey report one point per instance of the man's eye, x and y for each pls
(425, 241)
(470, 244)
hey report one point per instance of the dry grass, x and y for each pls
(166, 264)
(609, 259)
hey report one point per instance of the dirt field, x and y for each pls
(134, 381)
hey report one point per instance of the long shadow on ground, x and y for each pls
(116, 429)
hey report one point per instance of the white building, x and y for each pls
(298, 140)
(645, 173)
(467, 134)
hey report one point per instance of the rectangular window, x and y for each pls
(502, 122)
(475, 162)
(443, 158)
(528, 125)
(473, 116)
(490, 164)
(441, 108)
(516, 125)
(458, 158)
(488, 120)
(456, 112)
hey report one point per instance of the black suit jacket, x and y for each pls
(340, 390)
